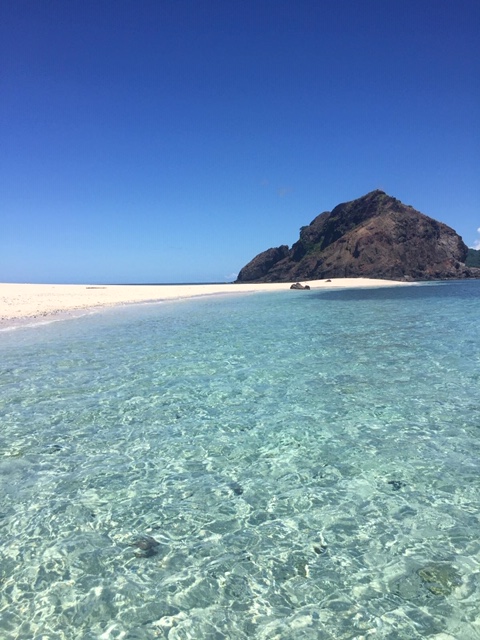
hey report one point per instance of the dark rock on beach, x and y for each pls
(375, 236)
(300, 286)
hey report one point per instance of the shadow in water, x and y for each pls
(459, 289)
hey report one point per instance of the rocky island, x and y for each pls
(375, 236)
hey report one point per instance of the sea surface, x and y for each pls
(285, 465)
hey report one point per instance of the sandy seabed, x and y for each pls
(20, 303)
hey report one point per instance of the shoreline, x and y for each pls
(22, 303)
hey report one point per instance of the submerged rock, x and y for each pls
(146, 545)
(54, 448)
(397, 484)
(435, 578)
(440, 578)
(320, 549)
(236, 488)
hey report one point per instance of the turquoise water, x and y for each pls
(287, 465)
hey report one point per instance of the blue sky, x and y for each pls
(172, 141)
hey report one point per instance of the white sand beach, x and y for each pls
(20, 302)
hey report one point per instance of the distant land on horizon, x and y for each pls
(375, 236)
(473, 258)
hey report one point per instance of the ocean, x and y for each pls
(285, 465)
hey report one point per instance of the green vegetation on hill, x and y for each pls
(473, 258)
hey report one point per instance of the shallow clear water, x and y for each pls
(285, 465)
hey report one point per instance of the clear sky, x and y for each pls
(173, 140)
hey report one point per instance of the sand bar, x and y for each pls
(28, 301)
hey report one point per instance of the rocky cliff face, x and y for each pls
(375, 236)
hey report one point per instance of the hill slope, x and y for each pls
(473, 258)
(375, 236)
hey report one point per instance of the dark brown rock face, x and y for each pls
(258, 268)
(375, 236)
